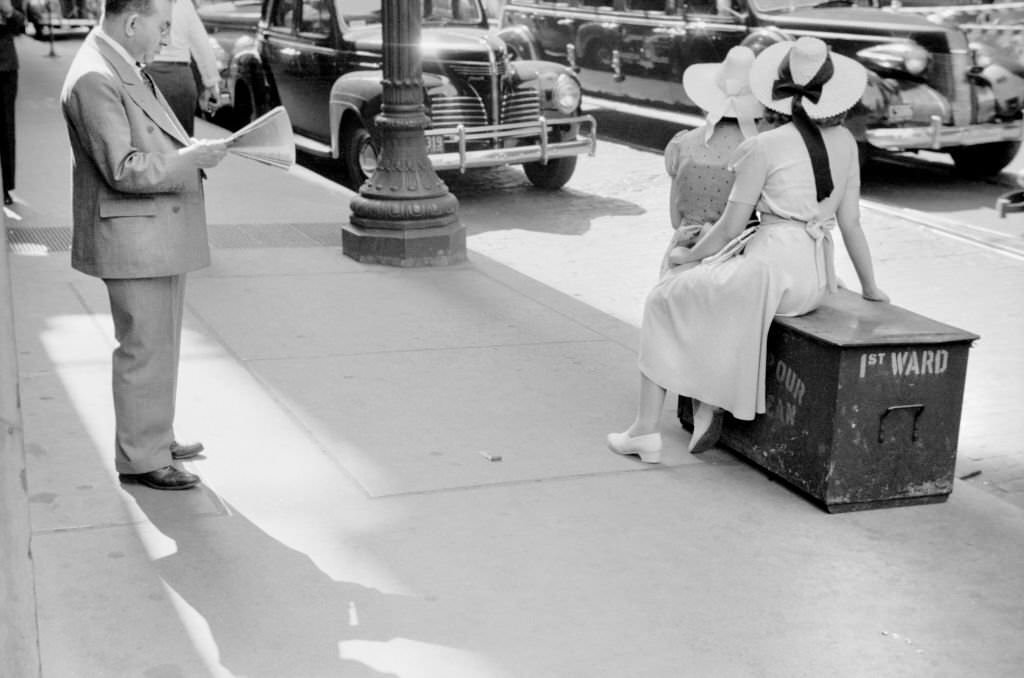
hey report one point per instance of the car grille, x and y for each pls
(472, 111)
(948, 76)
(960, 96)
(485, 99)
(472, 70)
(520, 106)
(452, 111)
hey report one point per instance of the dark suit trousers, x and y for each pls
(178, 85)
(147, 323)
(8, 92)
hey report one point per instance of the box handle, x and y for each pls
(916, 409)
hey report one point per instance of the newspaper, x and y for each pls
(267, 139)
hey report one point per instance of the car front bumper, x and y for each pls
(937, 136)
(508, 150)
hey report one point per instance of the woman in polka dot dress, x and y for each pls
(697, 160)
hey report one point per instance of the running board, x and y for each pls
(307, 145)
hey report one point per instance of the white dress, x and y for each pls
(705, 327)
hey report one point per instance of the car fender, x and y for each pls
(542, 75)
(589, 34)
(521, 42)
(354, 95)
(359, 96)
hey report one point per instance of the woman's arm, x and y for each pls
(732, 222)
(673, 202)
(848, 217)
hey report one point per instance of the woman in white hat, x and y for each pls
(698, 159)
(706, 323)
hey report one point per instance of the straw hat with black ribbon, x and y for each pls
(805, 80)
(723, 90)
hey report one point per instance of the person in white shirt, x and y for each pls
(172, 67)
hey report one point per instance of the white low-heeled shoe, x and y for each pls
(647, 447)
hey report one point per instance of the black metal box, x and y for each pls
(863, 405)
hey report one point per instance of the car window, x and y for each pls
(281, 17)
(316, 17)
(645, 5)
(451, 10)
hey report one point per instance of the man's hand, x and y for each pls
(210, 98)
(205, 153)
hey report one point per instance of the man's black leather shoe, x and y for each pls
(181, 451)
(166, 478)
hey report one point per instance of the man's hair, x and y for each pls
(116, 7)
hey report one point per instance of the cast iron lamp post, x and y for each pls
(404, 214)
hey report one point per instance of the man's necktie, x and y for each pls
(148, 80)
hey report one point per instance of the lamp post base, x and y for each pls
(432, 246)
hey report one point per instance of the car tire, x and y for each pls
(359, 154)
(551, 176)
(597, 55)
(984, 160)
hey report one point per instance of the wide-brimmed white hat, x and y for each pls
(723, 89)
(806, 57)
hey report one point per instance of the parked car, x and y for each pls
(322, 60)
(927, 88)
(62, 17)
(232, 28)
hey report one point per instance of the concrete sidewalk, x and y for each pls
(352, 524)
(353, 521)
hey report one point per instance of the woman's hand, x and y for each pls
(874, 294)
(677, 256)
(687, 235)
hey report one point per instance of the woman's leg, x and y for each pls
(649, 405)
(642, 438)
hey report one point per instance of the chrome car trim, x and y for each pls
(937, 136)
(541, 151)
(828, 36)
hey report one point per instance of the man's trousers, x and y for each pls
(147, 323)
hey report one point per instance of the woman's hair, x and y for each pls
(776, 118)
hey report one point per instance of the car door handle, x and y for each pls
(565, 22)
(289, 52)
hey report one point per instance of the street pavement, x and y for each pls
(406, 474)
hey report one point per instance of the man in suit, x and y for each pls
(139, 224)
(12, 23)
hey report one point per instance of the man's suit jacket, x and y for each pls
(138, 207)
(10, 27)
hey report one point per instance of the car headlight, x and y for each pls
(908, 57)
(566, 94)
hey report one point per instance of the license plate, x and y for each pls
(900, 112)
(435, 144)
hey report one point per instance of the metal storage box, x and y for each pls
(863, 405)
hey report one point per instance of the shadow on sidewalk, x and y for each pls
(569, 211)
(270, 609)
